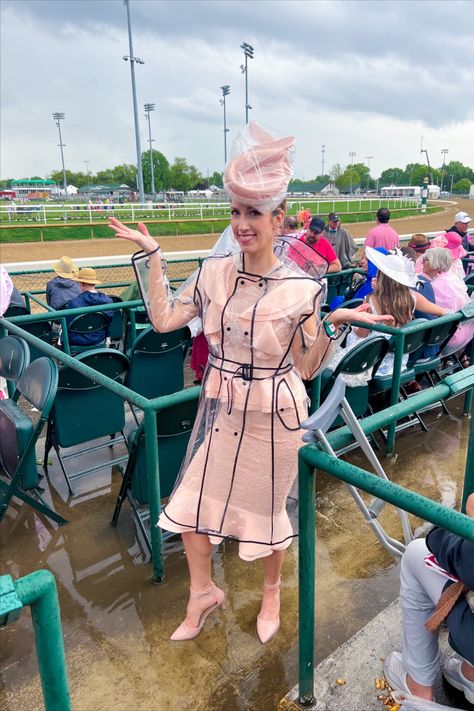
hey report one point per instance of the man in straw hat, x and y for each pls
(88, 296)
(63, 287)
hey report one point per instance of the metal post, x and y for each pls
(323, 150)
(444, 151)
(248, 52)
(394, 392)
(225, 92)
(38, 590)
(88, 175)
(368, 159)
(424, 194)
(152, 466)
(58, 117)
(352, 154)
(469, 471)
(148, 108)
(133, 59)
(306, 574)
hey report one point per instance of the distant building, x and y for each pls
(36, 189)
(409, 191)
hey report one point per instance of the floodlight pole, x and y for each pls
(58, 117)
(133, 59)
(148, 108)
(352, 154)
(88, 174)
(323, 150)
(368, 159)
(225, 92)
(248, 52)
(444, 151)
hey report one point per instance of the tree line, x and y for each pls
(179, 175)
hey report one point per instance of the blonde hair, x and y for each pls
(394, 299)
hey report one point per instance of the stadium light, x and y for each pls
(148, 109)
(444, 151)
(58, 117)
(248, 52)
(352, 155)
(135, 60)
(225, 92)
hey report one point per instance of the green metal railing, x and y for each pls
(311, 457)
(149, 407)
(38, 591)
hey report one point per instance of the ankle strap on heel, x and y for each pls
(272, 586)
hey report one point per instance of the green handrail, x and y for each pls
(149, 407)
(311, 457)
(38, 591)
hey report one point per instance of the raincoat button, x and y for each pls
(228, 328)
(236, 434)
(246, 333)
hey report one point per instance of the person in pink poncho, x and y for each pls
(260, 317)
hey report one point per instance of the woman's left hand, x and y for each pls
(361, 314)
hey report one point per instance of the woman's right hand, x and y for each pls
(141, 237)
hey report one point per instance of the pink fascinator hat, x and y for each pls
(454, 244)
(260, 168)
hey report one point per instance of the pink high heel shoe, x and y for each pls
(267, 628)
(184, 631)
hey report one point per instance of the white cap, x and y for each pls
(462, 217)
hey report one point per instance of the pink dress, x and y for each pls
(242, 457)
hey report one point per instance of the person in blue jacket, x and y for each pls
(436, 585)
(89, 296)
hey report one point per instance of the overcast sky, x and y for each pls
(371, 77)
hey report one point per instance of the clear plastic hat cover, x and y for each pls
(260, 167)
(294, 252)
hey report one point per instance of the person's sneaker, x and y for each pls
(451, 668)
(395, 672)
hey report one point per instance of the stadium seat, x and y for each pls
(174, 426)
(18, 435)
(84, 411)
(88, 324)
(157, 362)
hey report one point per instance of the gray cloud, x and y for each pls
(317, 65)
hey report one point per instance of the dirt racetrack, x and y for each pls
(22, 252)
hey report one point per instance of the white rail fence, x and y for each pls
(96, 213)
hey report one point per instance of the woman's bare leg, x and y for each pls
(198, 553)
(272, 566)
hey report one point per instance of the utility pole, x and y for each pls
(133, 60)
(225, 92)
(368, 159)
(352, 155)
(248, 52)
(323, 150)
(444, 151)
(58, 117)
(88, 174)
(148, 108)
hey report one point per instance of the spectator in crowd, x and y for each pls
(63, 287)
(461, 226)
(450, 241)
(436, 585)
(340, 240)
(315, 238)
(290, 226)
(6, 288)
(382, 235)
(420, 243)
(409, 252)
(89, 296)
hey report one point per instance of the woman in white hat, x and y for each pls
(261, 320)
(63, 287)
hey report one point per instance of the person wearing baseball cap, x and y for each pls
(315, 237)
(87, 280)
(461, 226)
(340, 240)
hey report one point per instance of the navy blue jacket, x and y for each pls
(60, 290)
(456, 556)
(89, 298)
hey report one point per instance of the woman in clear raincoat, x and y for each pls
(260, 316)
